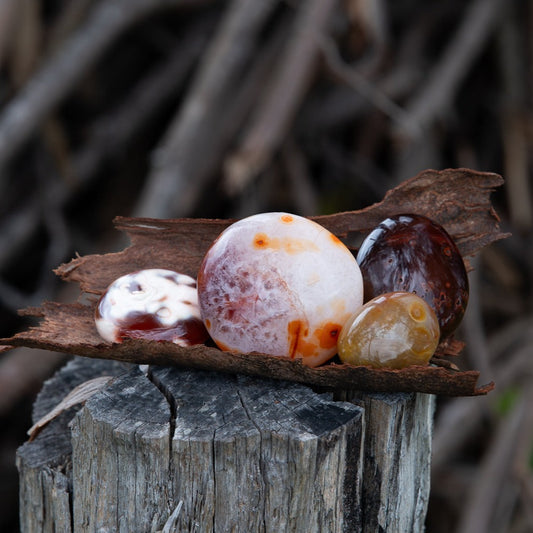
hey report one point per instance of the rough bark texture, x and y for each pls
(198, 451)
(459, 199)
(83, 340)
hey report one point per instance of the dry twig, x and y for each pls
(116, 129)
(494, 472)
(435, 96)
(515, 143)
(174, 178)
(304, 194)
(458, 419)
(473, 327)
(77, 395)
(370, 92)
(56, 78)
(274, 114)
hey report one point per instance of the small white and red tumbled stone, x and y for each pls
(154, 304)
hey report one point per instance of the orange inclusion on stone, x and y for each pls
(261, 240)
(324, 337)
(289, 245)
(306, 349)
(223, 347)
(297, 330)
(335, 239)
(286, 218)
(294, 329)
(327, 335)
(294, 246)
(207, 323)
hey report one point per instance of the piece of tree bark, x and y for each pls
(458, 199)
(83, 340)
(218, 453)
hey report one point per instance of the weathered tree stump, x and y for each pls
(181, 450)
